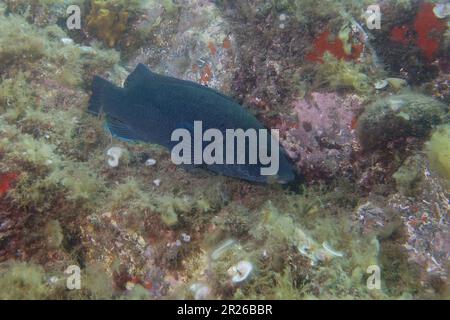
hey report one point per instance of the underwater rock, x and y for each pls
(409, 176)
(198, 45)
(426, 221)
(322, 143)
(371, 217)
(398, 116)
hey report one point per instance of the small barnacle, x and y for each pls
(241, 271)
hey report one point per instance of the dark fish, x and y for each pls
(151, 106)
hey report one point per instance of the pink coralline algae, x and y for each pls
(323, 142)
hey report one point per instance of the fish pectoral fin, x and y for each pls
(120, 130)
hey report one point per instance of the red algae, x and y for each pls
(212, 48)
(400, 34)
(5, 181)
(322, 44)
(226, 43)
(429, 29)
(206, 75)
(354, 122)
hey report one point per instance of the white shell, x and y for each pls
(240, 271)
(331, 251)
(114, 155)
(381, 84)
(441, 10)
(150, 162)
(157, 182)
(67, 41)
(224, 246)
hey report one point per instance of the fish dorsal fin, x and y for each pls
(140, 74)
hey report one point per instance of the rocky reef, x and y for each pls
(367, 128)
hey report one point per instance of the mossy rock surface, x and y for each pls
(399, 116)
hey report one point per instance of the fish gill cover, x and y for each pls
(92, 208)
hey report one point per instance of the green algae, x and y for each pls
(438, 151)
(286, 266)
(23, 281)
(409, 176)
(53, 233)
(340, 74)
(97, 283)
(385, 120)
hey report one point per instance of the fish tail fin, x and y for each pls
(101, 88)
